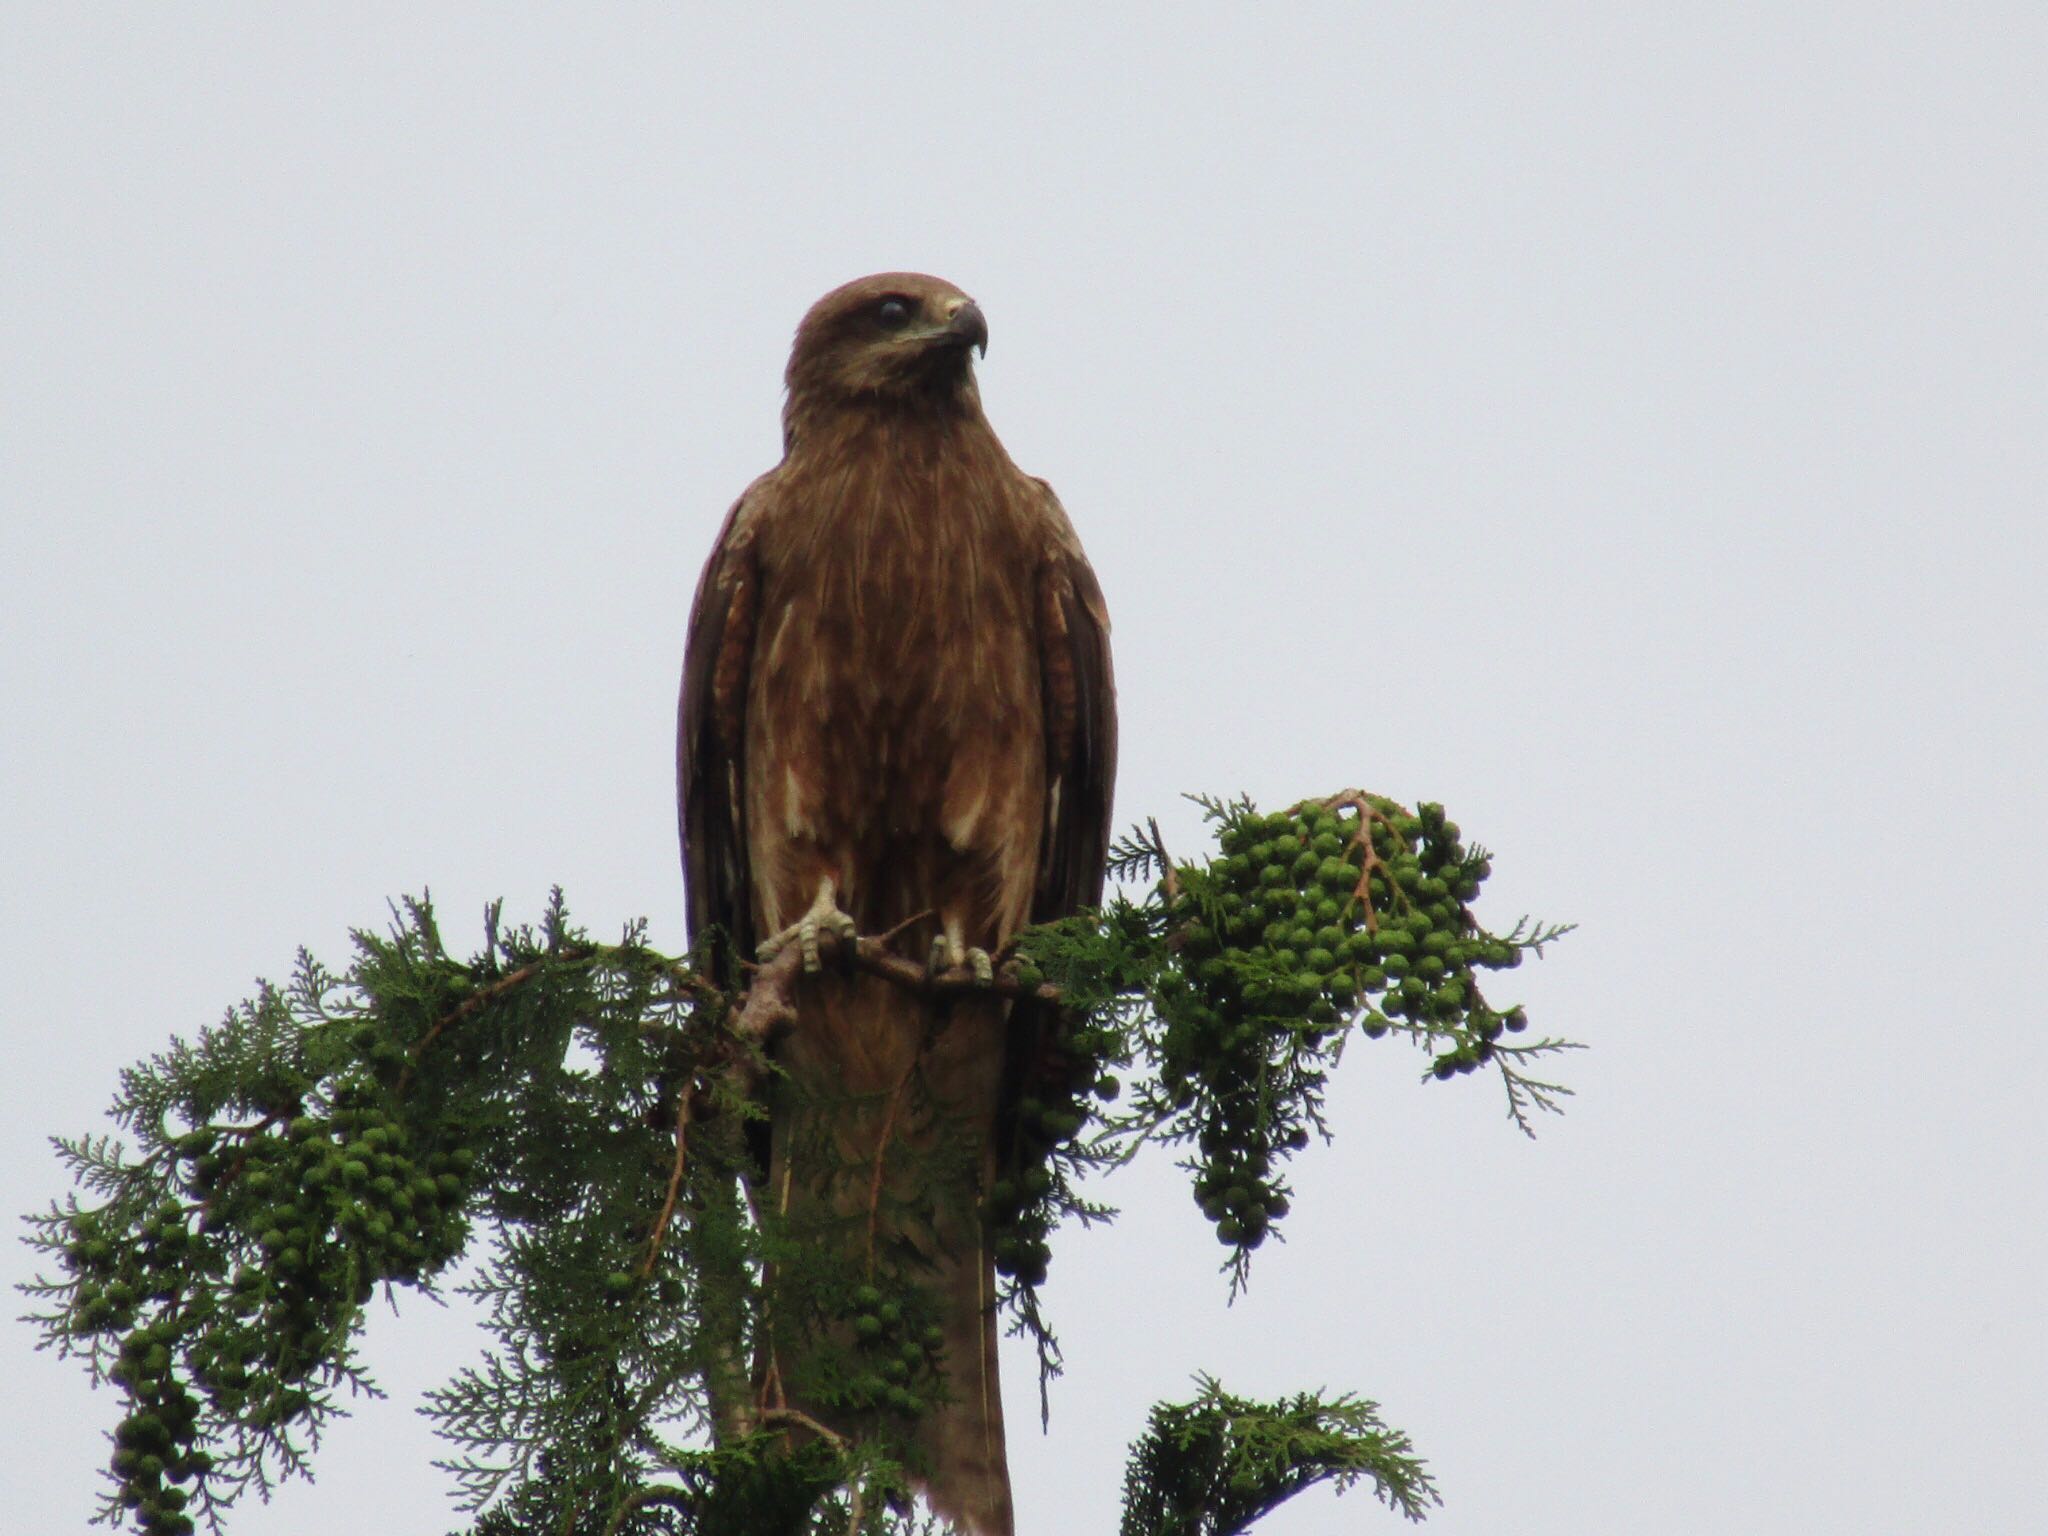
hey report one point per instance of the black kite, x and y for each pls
(897, 715)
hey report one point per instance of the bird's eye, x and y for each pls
(893, 313)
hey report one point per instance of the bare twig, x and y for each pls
(509, 982)
(675, 1178)
(796, 1418)
(955, 981)
(684, 978)
(644, 1498)
(903, 927)
(1368, 813)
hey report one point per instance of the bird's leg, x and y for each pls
(824, 917)
(948, 951)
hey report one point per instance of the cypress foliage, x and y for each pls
(574, 1115)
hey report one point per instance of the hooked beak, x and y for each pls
(966, 327)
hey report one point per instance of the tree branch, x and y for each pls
(675, 1178)
(770, 997)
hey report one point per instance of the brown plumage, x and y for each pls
(897, 701)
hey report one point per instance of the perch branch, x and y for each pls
(770, 1003)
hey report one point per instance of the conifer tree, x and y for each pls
(573, 1116)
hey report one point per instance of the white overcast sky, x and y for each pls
(1624, 422)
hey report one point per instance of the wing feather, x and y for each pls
(1079, 693)
(711, 741)
(1080, 734)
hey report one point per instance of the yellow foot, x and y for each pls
(824, 917)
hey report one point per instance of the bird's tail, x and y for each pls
(884, 1148)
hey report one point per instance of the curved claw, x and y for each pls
(824, 917)
(947, 952)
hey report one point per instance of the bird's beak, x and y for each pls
(967, 327)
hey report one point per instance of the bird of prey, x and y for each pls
(897, 719)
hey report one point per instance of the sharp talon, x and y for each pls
(824, 917)
(948, 954)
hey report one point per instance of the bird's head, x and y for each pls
(894, 338)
